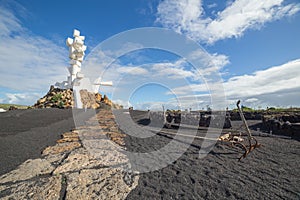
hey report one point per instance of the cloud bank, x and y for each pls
(189, 17)
(29, 63)
(275, 86)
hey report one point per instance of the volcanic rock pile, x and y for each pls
(94, 100)
(63, 98)
(56, 98)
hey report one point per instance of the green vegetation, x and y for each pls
(247, 109)
(60, 104)
(6, 106)
(56, 98)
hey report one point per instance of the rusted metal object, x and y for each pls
(252, 142)
(237, 139)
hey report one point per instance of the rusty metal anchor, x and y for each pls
(237, 139)
(252, 142)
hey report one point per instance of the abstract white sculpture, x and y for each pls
(76, 79)
(97, 84)
(76, 54)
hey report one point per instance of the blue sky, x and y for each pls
(255, 44)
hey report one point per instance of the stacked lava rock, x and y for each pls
(88, 99)
(95, 100)
(63, 98)
(287, 123)
(56, 98)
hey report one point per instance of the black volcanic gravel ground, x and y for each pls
(25, 133)
(269, 172)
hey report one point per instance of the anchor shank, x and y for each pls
(244, 121)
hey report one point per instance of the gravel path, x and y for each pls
(25, 133)
(269, 172)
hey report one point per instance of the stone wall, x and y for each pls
(194, 119)
(282, 123)
(234, 115)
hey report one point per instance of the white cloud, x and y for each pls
(132, 70)
(195, 101)
(277, 85)
(171, 74)
(8, 22)
(188, 17)
(208, 63)
(183, 90)
(125, 104)
(180, 69)
(213, 5)
(172, 70)
(29, 63)
(273, 79)
(251, 100)
(267, 87)
(157, 105)
(21, 98)
(177, 69)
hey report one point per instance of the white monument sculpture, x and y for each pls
(76, 54)
(76, 79)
